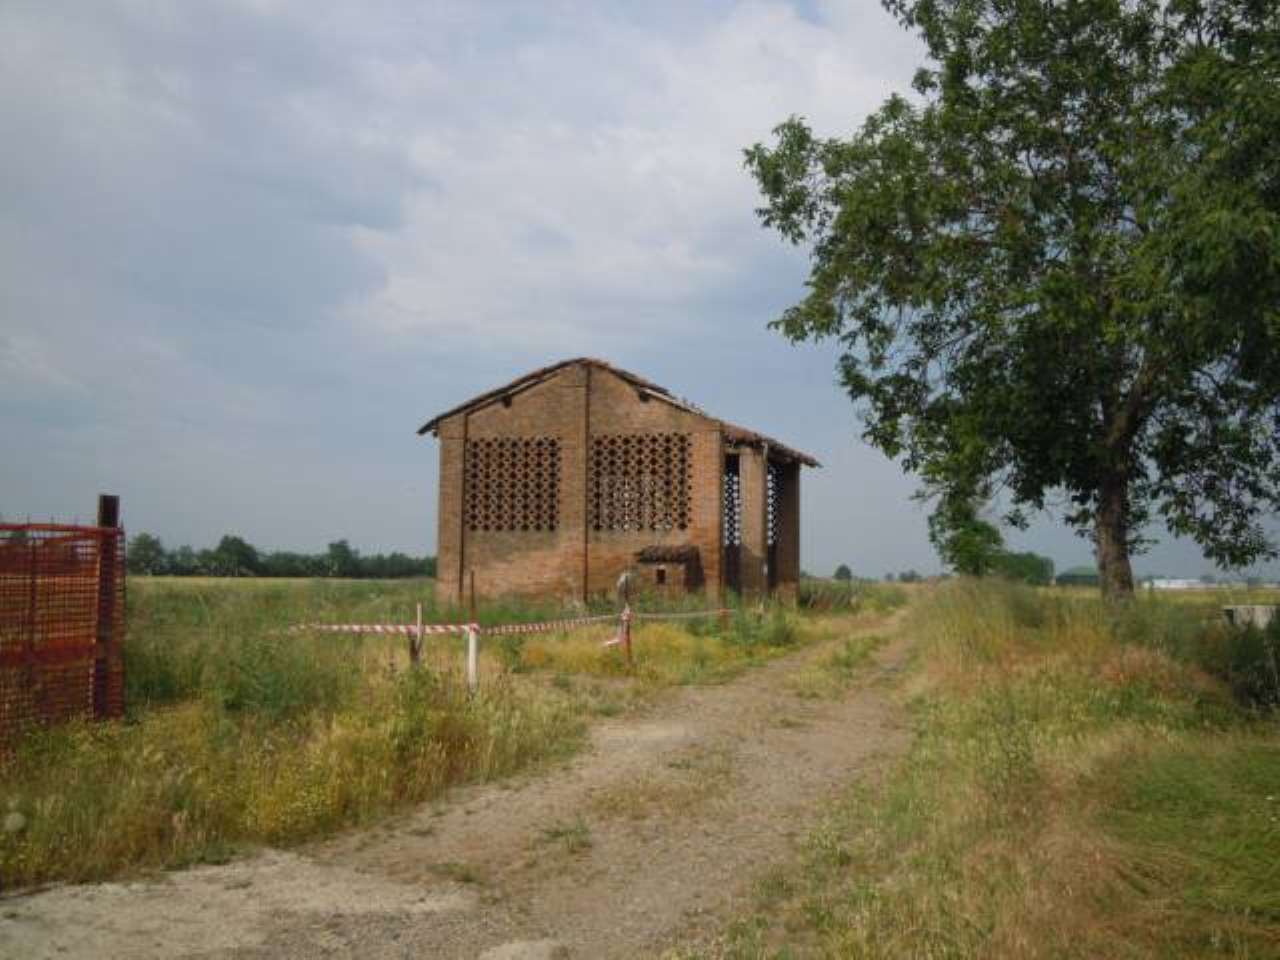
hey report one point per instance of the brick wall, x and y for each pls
(574, 405)
(543, 563)
(617, 409)
(577, 403)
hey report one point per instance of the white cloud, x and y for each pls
(638, 198)
(247, 246)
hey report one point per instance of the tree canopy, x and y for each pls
(964, 541)
(1055, 271)
(145, 554)
(1027, 567)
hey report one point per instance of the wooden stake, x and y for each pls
(473, 641)
(626, 632)
(473, 659)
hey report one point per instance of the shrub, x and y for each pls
(281, 676)
(770, 628)
(1253, 666)
(830, 596)
(510, 650)
(1247, 659)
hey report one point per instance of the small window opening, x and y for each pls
(661, 576)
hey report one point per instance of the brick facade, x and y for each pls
(555, 484)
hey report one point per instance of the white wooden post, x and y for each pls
(415, 645)
(473, 656)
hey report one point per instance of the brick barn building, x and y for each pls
(556, 483)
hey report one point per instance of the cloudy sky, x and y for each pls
(247, 247)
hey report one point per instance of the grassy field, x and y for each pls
(241, 733)
(1081, 785)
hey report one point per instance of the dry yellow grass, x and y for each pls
(1079, 787)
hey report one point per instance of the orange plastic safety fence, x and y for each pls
(61, 625)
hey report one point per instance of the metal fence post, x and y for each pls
(107, 641)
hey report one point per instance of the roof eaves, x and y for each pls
(741, 435)
(535, 377)
(647, 389)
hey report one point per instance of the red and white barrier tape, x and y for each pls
(547, 626)
(691, 615)
(397, 628)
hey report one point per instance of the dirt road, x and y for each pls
(655, 831)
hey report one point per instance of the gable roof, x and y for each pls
(736, 435)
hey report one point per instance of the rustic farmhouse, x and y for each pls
(556, 483)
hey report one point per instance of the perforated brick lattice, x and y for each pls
(61, 624)
(773, 492)
(512, 483)
(640, 482)
(731, 504)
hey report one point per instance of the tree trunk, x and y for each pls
(1111, 533)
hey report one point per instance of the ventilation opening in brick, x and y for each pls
(773, 511)
(512, 484)
(640, 482)
(731, 522)
(773, 518)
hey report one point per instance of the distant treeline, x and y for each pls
(1025, 567)
(234, 557)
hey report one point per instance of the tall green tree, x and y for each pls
(183, 562)
(341, 560)
(1027, 567)
(964, 541)
(146, 554)
(1056, 270)
(233, 557)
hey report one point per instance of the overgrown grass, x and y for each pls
(850, 596)
(1080, 785)
(700, 651)
(832, 675)
(242, 732)
(194, 781)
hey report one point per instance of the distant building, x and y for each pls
(1177, 583)
(558, 482)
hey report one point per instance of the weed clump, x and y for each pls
(773, 627)
(845, 596)
(1253, 666)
